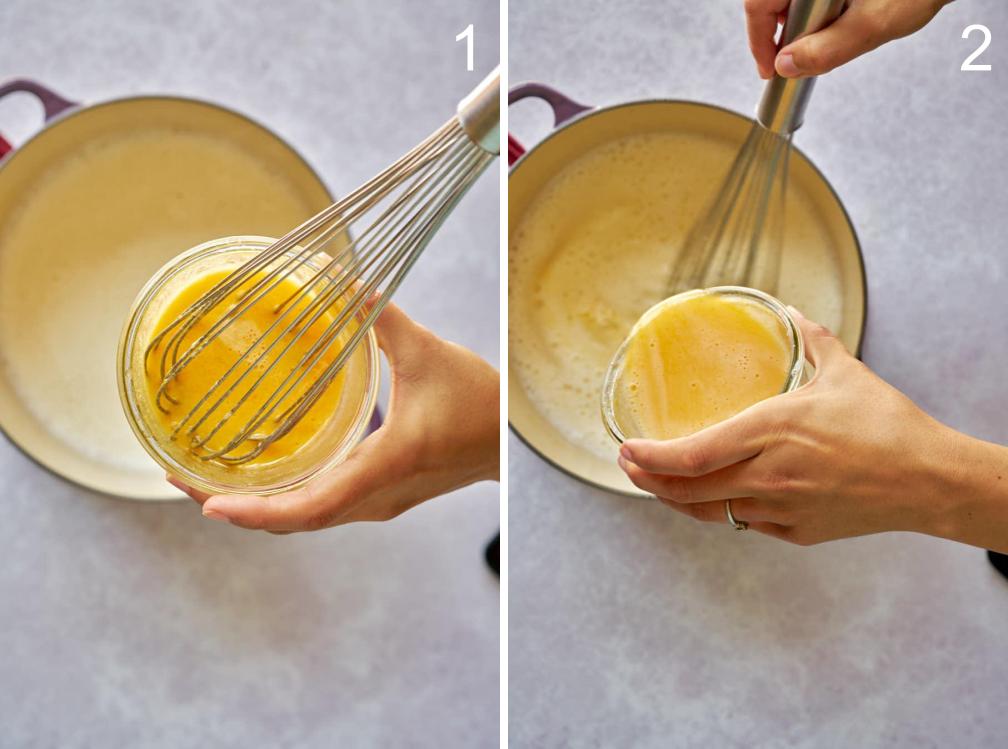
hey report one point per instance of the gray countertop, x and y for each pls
(634, 626)
(143, 625)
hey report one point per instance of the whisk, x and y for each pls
(738, 239)
(397, 213)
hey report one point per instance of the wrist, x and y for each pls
(945, 484)
(969, 500)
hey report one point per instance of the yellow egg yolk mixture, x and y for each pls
(237, 342)
(696, 360)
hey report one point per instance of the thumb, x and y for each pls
(821, 346)
(853, 34)
(399, 336)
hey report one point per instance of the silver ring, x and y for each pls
(740, 525)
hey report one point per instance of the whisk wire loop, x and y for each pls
(731, 244)
(342, 286)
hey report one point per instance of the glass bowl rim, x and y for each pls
(127, 341)
(795, 370)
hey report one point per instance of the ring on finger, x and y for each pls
(739, 525)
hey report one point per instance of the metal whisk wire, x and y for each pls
(738, 238)
(731, 243)
(407, 203)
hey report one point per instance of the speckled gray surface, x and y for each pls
(146, 626)
(633, 626)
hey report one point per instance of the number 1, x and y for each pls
(467, 34)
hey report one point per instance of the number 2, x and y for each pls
(968, 64)
(467, 34)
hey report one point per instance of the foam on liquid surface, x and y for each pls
(593, 253)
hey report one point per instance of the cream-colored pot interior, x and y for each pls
(89, 209)
(822, 269)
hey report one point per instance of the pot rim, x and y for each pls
(76, 109)
(589, 113)
(81, 108)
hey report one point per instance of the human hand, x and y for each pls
(441, 433)
(865, 25)
(844, 455)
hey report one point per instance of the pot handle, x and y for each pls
(564, 108)
(52, 103)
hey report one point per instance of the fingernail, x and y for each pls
(214, 515)
(786, 65)
(625, 452)
(621, 462)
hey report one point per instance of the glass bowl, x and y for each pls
(621, 430)
(327, 448)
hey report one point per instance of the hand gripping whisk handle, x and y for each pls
(479, 113)
(782, 108)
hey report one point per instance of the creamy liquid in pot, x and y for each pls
(593, 252)
(83, 242)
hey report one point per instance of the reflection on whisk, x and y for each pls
(739, 238)
(286, 322)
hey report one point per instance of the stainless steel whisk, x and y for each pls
(738, 239)
(400, 209)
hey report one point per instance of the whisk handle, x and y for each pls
(52, 103)
(782, 108)
(479, 113)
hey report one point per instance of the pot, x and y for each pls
(578, 129)
(65, 292)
